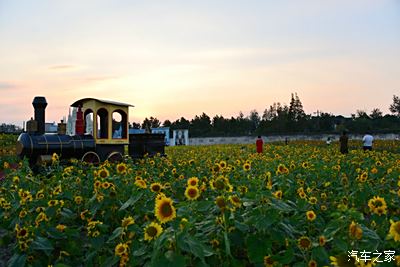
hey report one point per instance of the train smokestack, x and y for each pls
(39, 104)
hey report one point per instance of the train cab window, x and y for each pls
(88, 121)
(119, 122)
(102, 123)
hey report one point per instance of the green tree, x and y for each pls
(395, 106)
(361, 114)
(296, 111)
(270, 113)
(376, 113)
(220, 126)
(134, 125)
(181, 123)
(167, 123)
(151, 123)
(200, 125)
(254, 119)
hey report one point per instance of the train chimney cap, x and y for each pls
(39, 101)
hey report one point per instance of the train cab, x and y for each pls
(107, 122)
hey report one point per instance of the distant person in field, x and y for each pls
(328, 141)
(343, 140)
(367, 141)
(259, 144)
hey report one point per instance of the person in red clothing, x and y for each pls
(259, 144)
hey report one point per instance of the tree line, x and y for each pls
(280, 118)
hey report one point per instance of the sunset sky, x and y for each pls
(173, 58)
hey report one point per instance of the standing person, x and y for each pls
(259, 144)
(367, 141)
(343, 140)
(328, 141)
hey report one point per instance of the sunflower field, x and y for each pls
(303, 204)
(7, 144)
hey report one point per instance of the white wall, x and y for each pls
(276, 138)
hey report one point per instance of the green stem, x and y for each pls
(226, 240)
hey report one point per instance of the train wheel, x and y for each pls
(115, 157)
(91, 157)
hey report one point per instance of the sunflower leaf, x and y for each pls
(132, 200)
(116, 233)
(42, 243)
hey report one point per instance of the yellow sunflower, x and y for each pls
(246, 166)
(304, 242)
(377, 205)
(55, 158)
(121, 168)
(152, 231)
(40, 218)
(363, 177)
(97, 184)
(214, 243)
(355, 231)
(121, 250)
(216, 168)
(192, 192)
(105, 185)
(243, 189)
(40, 194)
(302, 195)
(127, 221)
(164, 210)
(343, 260)
(193, 181)
(278, 194)
(78, 200)
(222, 164)
(22, 213)
(141, 183)
(322, 240)
(156, 187)
(313, 200)
(57, 190)
(235, 201)
(394, 231)
(311, 215)
(397, 258)
(312, 263)
(61, 227)
(268, 261)
(282, 169)
(305, 165)
(103, 173)
(22, 233)
(268, 183)
(220, 202)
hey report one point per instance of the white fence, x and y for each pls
(281, 138)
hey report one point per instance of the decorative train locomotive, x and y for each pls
(98, 137)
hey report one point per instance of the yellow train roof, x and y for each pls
(82, 101)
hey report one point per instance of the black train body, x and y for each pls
(33, 146)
